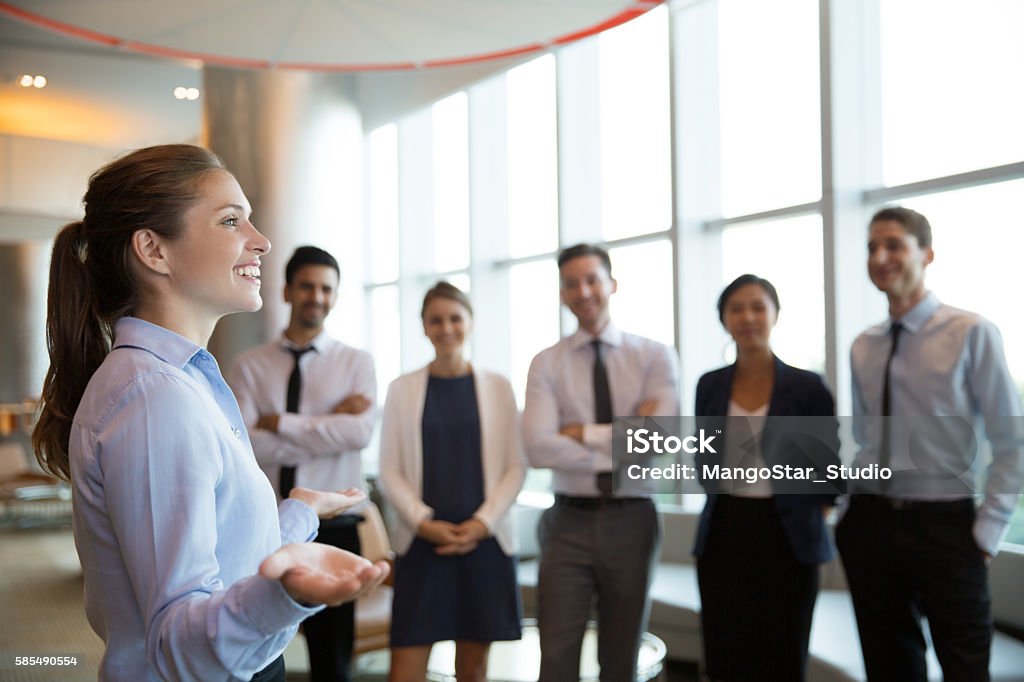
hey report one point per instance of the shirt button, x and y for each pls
(237, 432)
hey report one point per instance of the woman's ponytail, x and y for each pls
(77, 340)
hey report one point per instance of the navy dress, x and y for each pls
(472, 596)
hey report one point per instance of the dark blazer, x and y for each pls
(795, 393)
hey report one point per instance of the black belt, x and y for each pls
(904, 504)
(597, 502)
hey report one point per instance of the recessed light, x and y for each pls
(39, 82)
(192, 94)
(26, 81)
(180, 92)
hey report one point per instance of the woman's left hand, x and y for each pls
(470, 533)
(314, 573)
(328, 504)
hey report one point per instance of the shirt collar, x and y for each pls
(172, 348)
(610, 335)
(915, 318)
(319, 342)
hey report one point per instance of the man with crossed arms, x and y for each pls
(594, 543)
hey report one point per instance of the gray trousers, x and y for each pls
(606, 552)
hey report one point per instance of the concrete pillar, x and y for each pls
(294, 140)
(24, 268)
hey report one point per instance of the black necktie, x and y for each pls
(602, 408)
(884, 455)
(287, 481)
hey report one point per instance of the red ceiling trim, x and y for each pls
(216, 59)
(489, 56)
(40, 21)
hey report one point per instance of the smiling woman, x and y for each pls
(208, 268)
(750, 535)
(451, 466)
(190, 571)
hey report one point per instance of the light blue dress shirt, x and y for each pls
(172, 517)
(950, 389)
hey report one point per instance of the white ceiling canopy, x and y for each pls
(333, 35)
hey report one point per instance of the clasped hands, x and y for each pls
(353, 404)
(645, 409)
(453, 538)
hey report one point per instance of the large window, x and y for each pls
(532, 158)
(382, 205)
(951, 78)
(451, 183)
(694, 142)
(385, 336)
(533, 312)
(769, 104)
(643, 303)
(636, 179)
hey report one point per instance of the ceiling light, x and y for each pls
(180, 92)
(39, 81)
(192, 93)
(26, 81)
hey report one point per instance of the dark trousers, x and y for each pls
(272, 673)
(905, 560)
(329, 633)
(756, 598)
(604, 553)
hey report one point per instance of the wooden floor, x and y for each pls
(43, 613)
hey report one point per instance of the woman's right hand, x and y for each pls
(313, 573)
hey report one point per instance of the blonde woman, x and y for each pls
(451, 466)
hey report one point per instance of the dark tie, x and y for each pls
(602, 408)
(292, 405)
(884, 455)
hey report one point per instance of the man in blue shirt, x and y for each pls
(932, 378)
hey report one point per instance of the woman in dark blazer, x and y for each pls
(759, 544)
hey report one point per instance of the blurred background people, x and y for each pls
(917, 545)
(451, 466)
(594, 543)
(308, 402)
(758, 550)
(177, 529)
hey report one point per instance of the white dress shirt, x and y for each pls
(949, 363)
(325, 447)
(560, 392)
